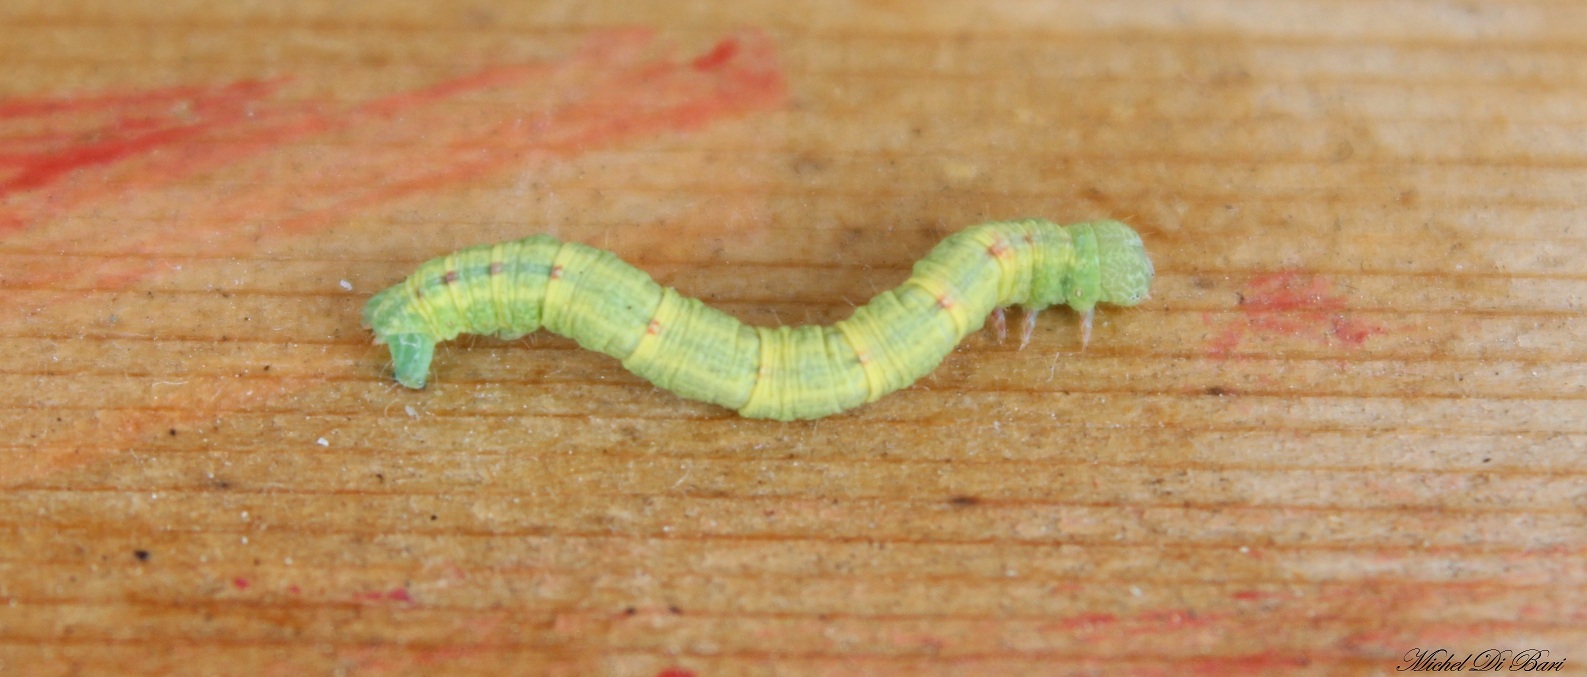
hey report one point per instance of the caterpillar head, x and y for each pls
(1124, 269)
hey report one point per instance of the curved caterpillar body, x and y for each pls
(680, 344)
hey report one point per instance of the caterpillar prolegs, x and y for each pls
(680, 344)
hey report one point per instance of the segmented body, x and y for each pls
(680, 344)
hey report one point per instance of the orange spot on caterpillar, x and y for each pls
(945, 301)
(449, 278)
(999, 249)
(654, 328)
(556, 272)
(862, 356)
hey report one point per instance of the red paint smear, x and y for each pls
(1289, 303)
(240, 583)
(140, 125)
(611, 90)
(70, 166)
(502, 76)
(21, 108)
(715, 58)
(677, 100)
(675, 672)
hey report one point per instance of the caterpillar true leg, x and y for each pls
(682, 345)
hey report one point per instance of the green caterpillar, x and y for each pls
(784, 373)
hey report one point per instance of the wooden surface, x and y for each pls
(1349, 424)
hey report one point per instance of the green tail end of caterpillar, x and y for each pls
(410, 355)
(395, 324)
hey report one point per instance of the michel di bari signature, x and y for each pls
(1489, 660)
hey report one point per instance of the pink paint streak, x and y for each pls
(1290, 303)
(240, 583)
(675, 672)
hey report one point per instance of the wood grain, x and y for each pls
(1352, 421)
